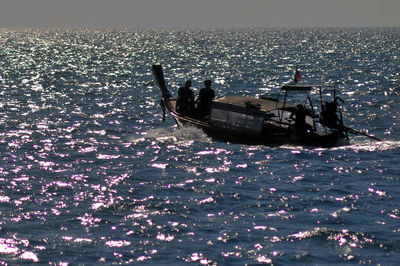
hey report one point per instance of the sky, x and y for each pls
(198, 13)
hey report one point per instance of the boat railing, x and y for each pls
(306, 88)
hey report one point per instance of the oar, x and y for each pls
(356, 132)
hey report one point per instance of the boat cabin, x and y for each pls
(255, 115)
(238, 113)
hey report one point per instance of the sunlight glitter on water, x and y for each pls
(90, 174)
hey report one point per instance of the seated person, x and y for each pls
(300, 118)
(302, 128)
(204, 100)
(185, 100)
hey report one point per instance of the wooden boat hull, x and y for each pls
(228, 135)
(275, 136)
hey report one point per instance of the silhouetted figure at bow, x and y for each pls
(185, 100)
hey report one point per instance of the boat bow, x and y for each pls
(159, 76)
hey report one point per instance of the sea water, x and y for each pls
(89, 174)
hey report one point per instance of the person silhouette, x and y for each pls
(185, 100)
(206, 95)
(300, 118)
(297, 76)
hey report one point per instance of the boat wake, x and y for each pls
(358, 145)
(371, 145)
(174, 136)
(191, 133)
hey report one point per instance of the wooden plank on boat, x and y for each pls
(245, 101)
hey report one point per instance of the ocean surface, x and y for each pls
(89, 174)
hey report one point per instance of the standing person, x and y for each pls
(297, 76)
(185, 100)
(329, 117)
(206, 95)
(300, 120)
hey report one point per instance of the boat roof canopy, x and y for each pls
(305, 87)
